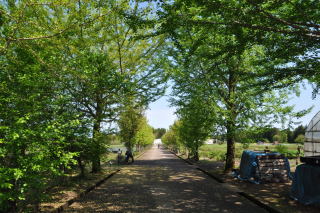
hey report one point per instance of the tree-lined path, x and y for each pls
(160, 182)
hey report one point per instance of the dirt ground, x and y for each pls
(60, 194)
(275, 195)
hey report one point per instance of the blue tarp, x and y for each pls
(248, 165)
(306, 184)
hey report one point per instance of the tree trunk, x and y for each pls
(196, 152)
(196, 156)
(230, 161)
(81, 166)
(96, 166)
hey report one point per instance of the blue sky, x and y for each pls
(160, 115)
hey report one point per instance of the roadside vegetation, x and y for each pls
(218, 151)
(273, 139)
(76, 76)
(69, 71)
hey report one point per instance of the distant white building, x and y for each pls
(157, 141)
(212, 141)
(209, 141)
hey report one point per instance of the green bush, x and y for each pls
(221, 156)
(211, 154)
(245, 145)
(204, 154)
(276, 138)
(217, 155)
(299, 139)
(290, 153)
(238, 153)
(281, 149)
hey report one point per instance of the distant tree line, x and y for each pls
(159, 132)
(273, 134)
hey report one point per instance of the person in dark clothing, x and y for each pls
(119, 158)
(129, 155)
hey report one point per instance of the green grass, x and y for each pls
(117, 146)
(217, 151)
(223, 147)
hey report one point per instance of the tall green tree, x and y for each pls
(36, 115)
(67, 67)
(96, 90)
(129, 124)
(134, 129)
(299, 130)
(171, 138)
(107, 65)
(144, 135)
(220, 62)
(288, 29)
(196, 125)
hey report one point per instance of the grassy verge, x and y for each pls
(217, 152)
(71, 185)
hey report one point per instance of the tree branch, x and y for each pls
(309, 34)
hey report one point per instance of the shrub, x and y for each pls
(204, 154)
(212, 154)
(265, 140)
(217, 155)
(299, 139)
(245, 145)
(238, 153)
(281, 149)
(221, 156)
(276, 138)
(220, 142)
(290, 153)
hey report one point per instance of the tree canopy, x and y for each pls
(72, 73)
(67, 70)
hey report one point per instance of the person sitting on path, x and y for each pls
(129, 155)
(119, 156)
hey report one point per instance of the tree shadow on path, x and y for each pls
(165, 184)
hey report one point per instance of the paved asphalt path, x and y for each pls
(161, 182)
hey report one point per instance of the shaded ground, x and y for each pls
(160, 182)
(61, 193)
(275, 195)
